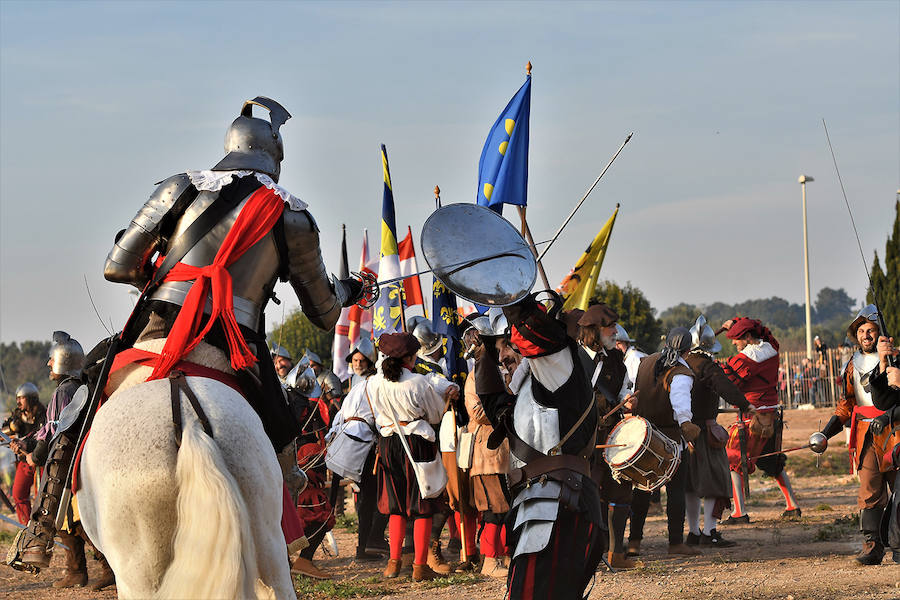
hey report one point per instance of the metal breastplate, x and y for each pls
(252, 275)
(536, 425)
(863, 363)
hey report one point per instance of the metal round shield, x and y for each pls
(70, 414)
(478, 255)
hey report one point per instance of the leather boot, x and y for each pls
(493, 567)
(683, 550)
(34, 545)
(76, 564)
(634, 548)
(617, 560)
(392, 569)
(423, 573)
(436, 559)
(304, 566)
(106, 576)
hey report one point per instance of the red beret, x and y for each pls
(598, 314)
(743, 326)
(398, 345)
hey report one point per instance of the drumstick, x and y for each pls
(620, 405)
(599, 446)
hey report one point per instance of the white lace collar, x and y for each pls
(213, 181)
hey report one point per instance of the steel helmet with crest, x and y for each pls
(253, 144)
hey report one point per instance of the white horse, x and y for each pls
(202, 521)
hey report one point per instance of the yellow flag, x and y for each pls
(579, 284)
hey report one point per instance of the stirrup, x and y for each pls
(15, 555)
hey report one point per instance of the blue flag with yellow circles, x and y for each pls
(445, 321)
(503, 168)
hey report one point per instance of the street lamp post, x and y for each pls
(802, 180)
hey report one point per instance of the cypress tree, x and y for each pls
(887, 281)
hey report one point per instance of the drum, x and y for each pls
(645, 456)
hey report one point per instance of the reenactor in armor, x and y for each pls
(548, 414)
(432, 351)
(27, 418)
(214, 243)
(856, 406)
(282, 360)
(66, 363)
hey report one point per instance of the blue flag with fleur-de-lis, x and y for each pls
(445, 321)
(503, 168)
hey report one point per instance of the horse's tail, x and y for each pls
(214, 554)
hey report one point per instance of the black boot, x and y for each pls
(873, 550)
(34, 544)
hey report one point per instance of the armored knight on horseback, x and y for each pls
(207, 249)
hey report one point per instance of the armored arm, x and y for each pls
(320, 298)
(129, 259)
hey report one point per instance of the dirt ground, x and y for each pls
(811, 559)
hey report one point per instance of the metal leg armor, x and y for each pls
(33, 545)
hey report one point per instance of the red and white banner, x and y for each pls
(352, 319)
(412, 288)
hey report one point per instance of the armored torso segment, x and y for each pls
(255, 273)
(863, 363)
(128, 261)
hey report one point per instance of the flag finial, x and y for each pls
(528, 69)
(437, 192)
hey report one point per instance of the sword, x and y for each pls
(22, 527)
(742, 437)
(803, 447)
(6, 501)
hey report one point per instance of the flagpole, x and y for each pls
(526, 231)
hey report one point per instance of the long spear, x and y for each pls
(583, 198)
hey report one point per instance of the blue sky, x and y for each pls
(98, 101)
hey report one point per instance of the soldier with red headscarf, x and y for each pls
(754, 370)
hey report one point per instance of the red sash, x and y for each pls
(859, 412)
(255, 220)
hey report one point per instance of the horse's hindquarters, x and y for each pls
(129, 492)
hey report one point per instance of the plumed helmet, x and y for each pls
(279, 350)
(255, 144)
(420, 327)
(313, 357)
(27, 390)
(679, 339)
(622, 335)
(67, 355)
(364, 346)
(868, 313)
(703, 337)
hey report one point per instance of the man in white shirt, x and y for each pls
(663, 389)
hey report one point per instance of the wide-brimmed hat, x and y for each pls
(598, 314)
